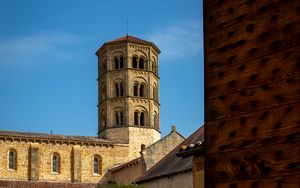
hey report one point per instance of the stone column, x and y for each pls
(34, 162)
(76, 165)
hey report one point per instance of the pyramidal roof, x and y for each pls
(130, 39)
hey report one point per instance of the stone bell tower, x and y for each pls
(128, 85)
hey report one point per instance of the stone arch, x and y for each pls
(134, 61)
(118, 116)
(118, 60)
(139, 87)
(118, 87)
(140, 116)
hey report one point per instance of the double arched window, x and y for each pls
(119, 62)
(97, 164)
(12, 159)
(119, 118)
(139, 63)
(139, 118)
(119, 89)
(138, 90)
(55, 163)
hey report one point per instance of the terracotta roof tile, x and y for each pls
(132, 39)
(15, 134)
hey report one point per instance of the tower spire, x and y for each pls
(127, 28)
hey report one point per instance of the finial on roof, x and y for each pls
(127, 28)
(173, 128)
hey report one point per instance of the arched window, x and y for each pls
(97, 164)
(135, 89)
(116, 63)
(12, 159)
(141, 90)
(119, 118)
(141, 63)
(121, 89)
(134, 62)
(136, 118)
(121, 63)
(55, 163)
(143, 147)
(117, 90)
(142, 119)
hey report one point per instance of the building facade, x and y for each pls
(128, 122)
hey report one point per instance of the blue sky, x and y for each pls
(48, 67)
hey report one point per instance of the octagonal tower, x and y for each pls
(128, 99)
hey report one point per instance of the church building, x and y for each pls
(128, 128)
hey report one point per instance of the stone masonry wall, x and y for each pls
(110, 155)
(158, 150)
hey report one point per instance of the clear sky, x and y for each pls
(48, 67)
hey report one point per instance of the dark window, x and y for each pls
(121, 63)
(117, 119)
(136, 118)
(141, 63)
(121, 118)
(141, 90)
(134, 62)
(121, 89)
(143, 147)
(135, 89)
(117, 90)
(142, 119)
(116, 63)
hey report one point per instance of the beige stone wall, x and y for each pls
(198, 171)
(129, 173)
(182, 180)
(139, 136)
(158, 150)
(111, 155)
(22, 160)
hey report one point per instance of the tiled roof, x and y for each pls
(124, 165)
(191, 149)
(172, 164)
(132, 39)
(51, 137)
(30, 184)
